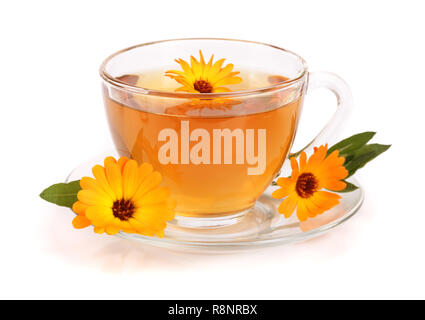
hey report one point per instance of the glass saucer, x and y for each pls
(259, 227)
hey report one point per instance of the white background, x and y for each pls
(52, 119)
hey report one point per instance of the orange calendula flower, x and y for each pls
(201, 77)
(303, 188)
(123, 196)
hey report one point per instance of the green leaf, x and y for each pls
(350, 187)
(62, 194)
(364, 155)
(352, 143)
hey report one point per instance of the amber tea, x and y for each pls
(217, 155)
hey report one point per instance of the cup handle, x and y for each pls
(339, 87)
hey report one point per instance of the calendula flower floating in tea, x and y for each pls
(201, 77)
(306, 190)
(122, 196)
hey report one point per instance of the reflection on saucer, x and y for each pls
(323, 219)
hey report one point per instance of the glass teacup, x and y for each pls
(216, 151)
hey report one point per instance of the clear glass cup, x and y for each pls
(217, 152)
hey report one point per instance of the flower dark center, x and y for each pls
(123, 209)
(306, 185)
(203, 86)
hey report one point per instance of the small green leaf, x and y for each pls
(350, 187)
(62, 194)
(352, 143)
(364, 155)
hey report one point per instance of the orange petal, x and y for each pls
(186, 68)
(288, 205)
(171, 203)
(333, 173)
(120, 224)
(303, 161)
(154, 196)
(335, 185)
(92, 184)
(186, 89)
(334, 157)
(132, 230)
(201, 57)
(96, 213)
(121, 163)
(92, 198)
(285, 182)
(109, 160)
(113, 174)
(144, 170)
(139, 227)
(317, 157)
(100, 176)
(221, 75)
(152, 181)
(79, 208)
(150, 222)
(80, 222)
(160, 233)
(325, 200)
(99, 230)
(111, 230)
(196, 67)
(210, 62)
(312, 209)
(228, 80)
(221, 89)
(216, 67)
(155, 211)
(331, 164)
(295, 169)
(281, 192)
(302, 212)
(130, 179)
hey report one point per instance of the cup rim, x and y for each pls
(189, 95)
